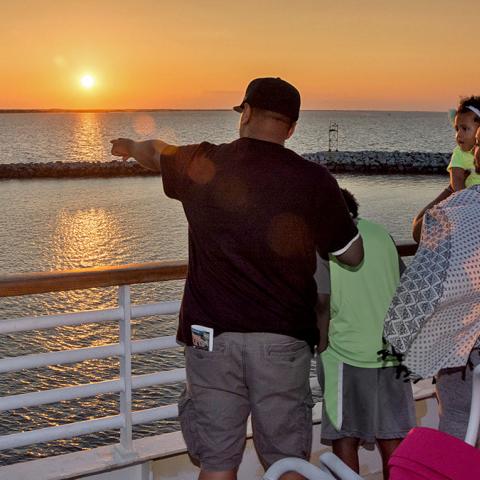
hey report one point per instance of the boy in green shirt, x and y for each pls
(364, 400)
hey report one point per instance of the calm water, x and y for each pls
(69, 137)
(61, 224)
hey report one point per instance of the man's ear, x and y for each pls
(291, 130)
(246, 114)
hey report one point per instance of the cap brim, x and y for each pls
(238, 108)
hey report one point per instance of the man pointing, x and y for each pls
(257, 213)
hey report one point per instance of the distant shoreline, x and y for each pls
(115, 110)
(136, 110)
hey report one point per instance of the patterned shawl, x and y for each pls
(434, 317)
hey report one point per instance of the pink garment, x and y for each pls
(427, 454)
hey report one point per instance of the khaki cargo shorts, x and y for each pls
(262, 374)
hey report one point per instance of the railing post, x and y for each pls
(126, 368)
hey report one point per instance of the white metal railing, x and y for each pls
(25, 284)
(123, 385)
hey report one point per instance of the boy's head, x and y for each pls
(351, 202)
(467, 121)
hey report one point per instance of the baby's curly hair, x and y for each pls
(473, 101)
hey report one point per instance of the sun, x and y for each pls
(87, 81)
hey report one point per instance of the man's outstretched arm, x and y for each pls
(146, 153)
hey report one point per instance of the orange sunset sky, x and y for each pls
(343, 54)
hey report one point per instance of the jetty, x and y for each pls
(366, 162)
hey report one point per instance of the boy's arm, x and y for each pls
(322, 308)
(353, 255)
(457, 178)
(418, 220)
(323, 320)
(146, 153)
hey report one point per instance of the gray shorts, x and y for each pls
(454, 392)
(375, 405)
(264, 374)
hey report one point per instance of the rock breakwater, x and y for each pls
(361, 162)
(73, 170)
(382, 162)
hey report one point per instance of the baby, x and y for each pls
(461, 167)
(464, 170)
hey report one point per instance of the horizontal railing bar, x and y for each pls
(157, 343)
(14, 364)
(43, 282)
(70, 430)
(160, 308)
(153, 414)
(175, 375)
(22, 324)
(34, 399)
(76, 429)
(74, 355)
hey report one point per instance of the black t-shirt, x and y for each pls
(257, 212)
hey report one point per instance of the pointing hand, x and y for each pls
(122, 147)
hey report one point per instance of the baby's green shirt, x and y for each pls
(465, 161)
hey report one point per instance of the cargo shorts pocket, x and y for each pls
(286, 379)
(187, 417)
(292, 353)
(292, 439)
(308, 422)
(206, 369)
(299, 429)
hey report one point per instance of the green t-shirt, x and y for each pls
(360, 298)
(465, 161)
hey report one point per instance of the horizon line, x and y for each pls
(132, 110)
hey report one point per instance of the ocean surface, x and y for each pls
(72, 223)
(69, 137)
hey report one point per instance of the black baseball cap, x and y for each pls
(272, 94)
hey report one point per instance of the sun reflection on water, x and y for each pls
(89, 138)
(85, 238)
